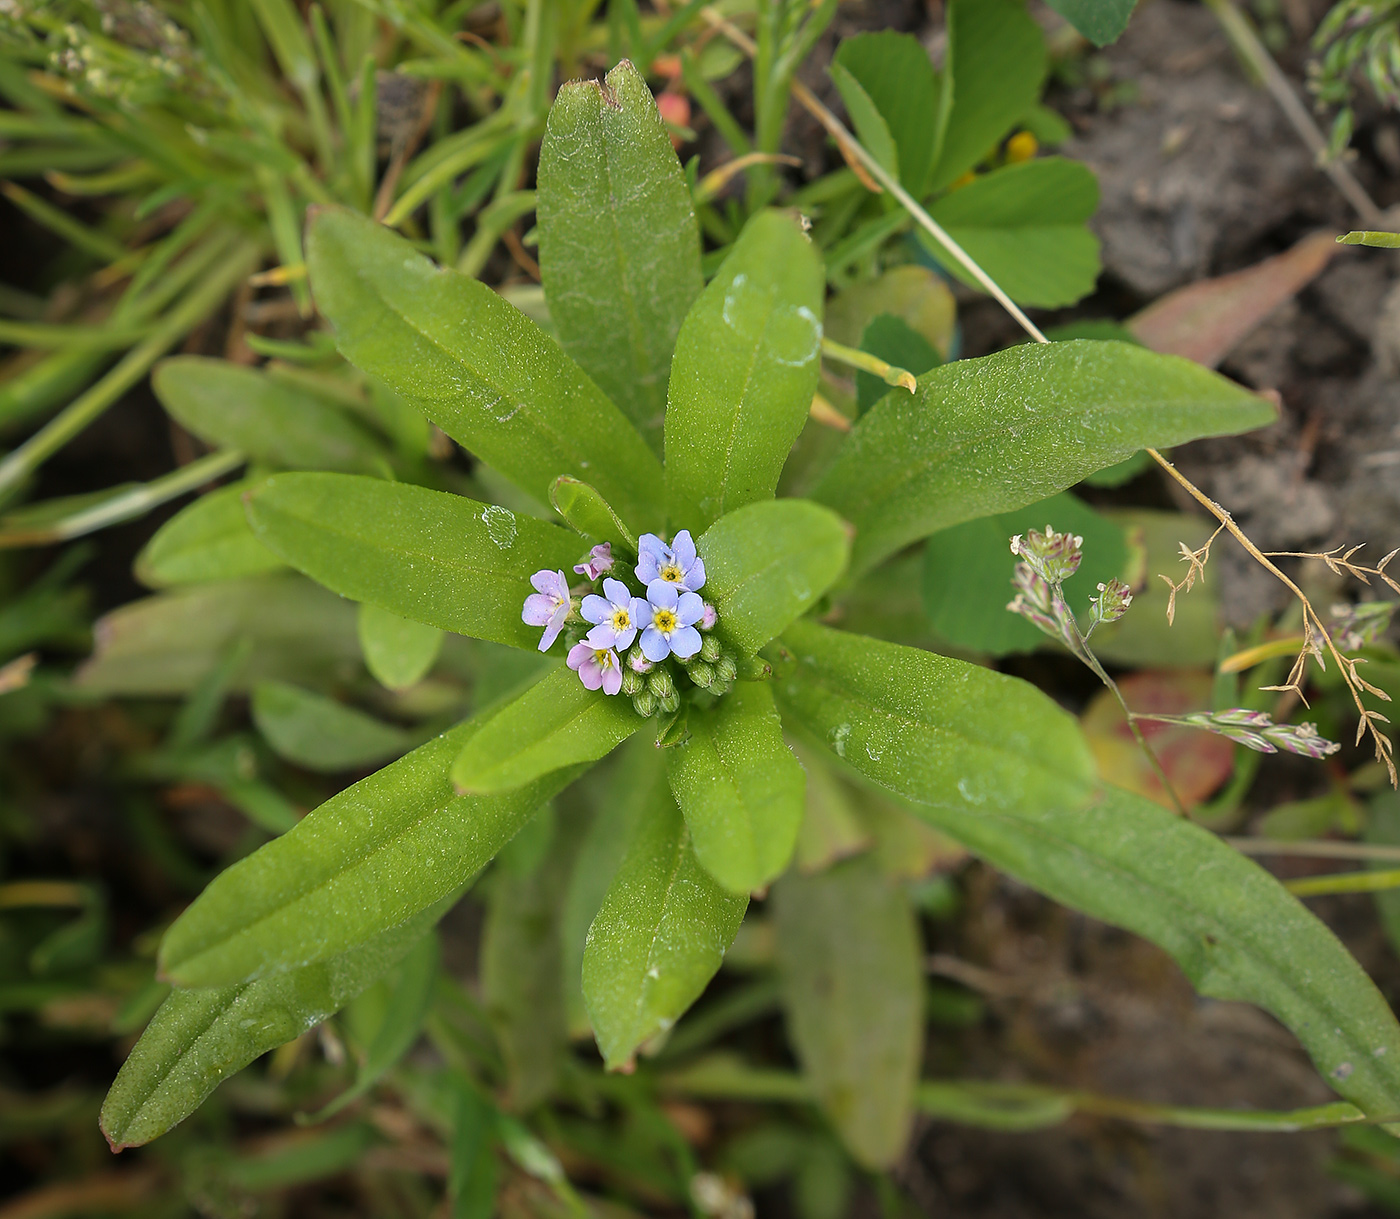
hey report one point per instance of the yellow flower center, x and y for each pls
(621, 620)
(601, 657)
(672, 574)
(664, 621)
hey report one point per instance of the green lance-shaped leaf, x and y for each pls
(589, 513)
(744, 373)
(321, 734)
(1025, 226)
(387, 1018)
(475, 365)
(740, 789)
(997, 433)
(368, 859)
(619, 243)
(209, 539)
(557, 722)
(199, 1038)
(960, 736)
(1234, 930)
(436, 558)
(894, 72)
(231, 406)
(996, 56)
(660, 935)
(851, 964)
(398, 651)
(767, 564)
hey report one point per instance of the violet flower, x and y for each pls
(677, 564)
(597, 667)
(549, 606)
(671, 631)
(598, 563)
(618, 615)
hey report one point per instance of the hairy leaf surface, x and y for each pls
(198, 1038)
(660, 935)
(997, 433)
(1234, 930)
(744, 373)
(767, 564)
(475, 365)
(366, 860)
(438, 559)
(740, 789)
(958, 735)
(619, 243)
(557, 722)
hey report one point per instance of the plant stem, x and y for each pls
(202, 300)
(863, 360)
(1345, 882)
(1317, 849)
(125, 504)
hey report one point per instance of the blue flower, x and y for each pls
(619, 616)
(549, 606)
(677, 564)
(671, 631)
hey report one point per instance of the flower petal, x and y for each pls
(685, 642)
(603, 636)
(690, 609)
(654, 645)
(662, 595)
(617, 592)
(625, 637)
(612, 679)
(683, 549)
(591, 673)
(595, 608)
(538, 610)
(578, 654)
(695, 575)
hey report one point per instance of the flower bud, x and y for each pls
(671, 703)
(659, 682)
(637, 662)
(644, 704)
(1112, 602)
(701, 674)
(709, 649)
(725, 669)
(709, 618)
(632, 681)
(1054, 557)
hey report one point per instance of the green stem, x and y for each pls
(863, 360)
(202, 300)
(1324, 849)
(1345, 882)
(124, 505)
